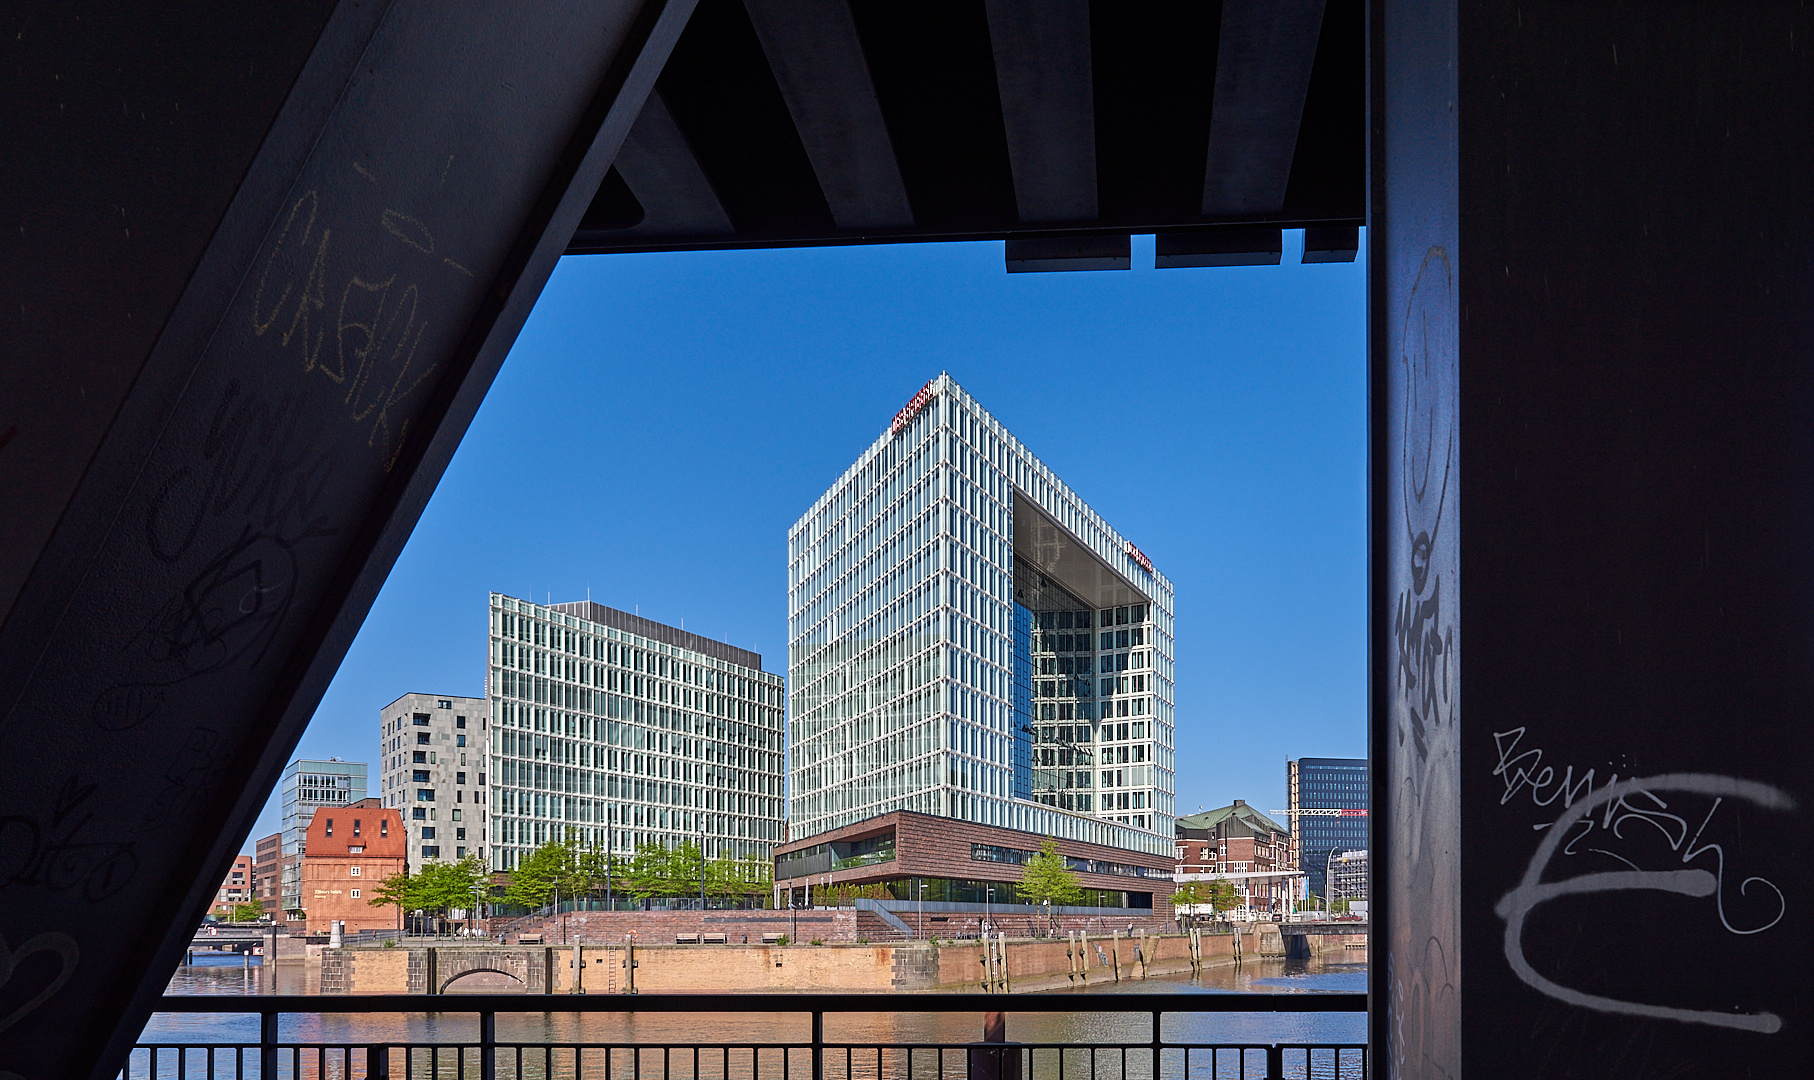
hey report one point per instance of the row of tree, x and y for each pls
(565, 870)
(654, 871)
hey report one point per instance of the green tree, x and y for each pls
(445, 885)
(247, 912)
(1188, 896)
(659, 871)
(554, 868)
(1046, 879)
(1221, 895)
(737, 879)
(399, 891)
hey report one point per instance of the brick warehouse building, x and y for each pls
(350, 850)
(968, 871)
(1239, 844)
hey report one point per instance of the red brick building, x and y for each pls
(235, 889)
(961, 865)
(1252, 851)
(349, 850)
(267, 860)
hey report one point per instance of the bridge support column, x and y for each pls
(1591, 258)
(271, 369)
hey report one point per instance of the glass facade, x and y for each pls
(1338, 788)
(929, 593)
(306, 787)
(614, 731)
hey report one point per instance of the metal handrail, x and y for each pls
(984, 1060)
(1311, 1002)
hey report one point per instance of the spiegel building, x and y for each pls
(969, 639)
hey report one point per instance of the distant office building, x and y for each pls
(307, 786)
(1348, 877)
(614, 730)
(235, 889)
(1327, 808)
(1243, 846)
(434, 752)
(351, 849)
(969, 639)
(267, 863)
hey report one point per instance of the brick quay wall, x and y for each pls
(733, 968)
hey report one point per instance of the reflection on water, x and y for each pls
(726, 1041)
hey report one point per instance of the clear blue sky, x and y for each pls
(664, 418)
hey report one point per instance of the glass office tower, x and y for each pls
(1328, 804)
(612, 731)
(968, 638)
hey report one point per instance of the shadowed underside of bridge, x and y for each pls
(260, 264)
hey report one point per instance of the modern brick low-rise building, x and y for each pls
(351, 849)
(964, 869)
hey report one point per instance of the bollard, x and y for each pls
(1115, 952)
(995, 1058)
(336, 929)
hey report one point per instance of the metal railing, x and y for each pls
(488, 1058)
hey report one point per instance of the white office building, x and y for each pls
(612, 731)
(968, 638)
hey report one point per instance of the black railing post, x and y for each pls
(1156, 1015)
(1275, 1062)
(488, 1046)
(818, 1045)
(267, 1046)
(377, 1063)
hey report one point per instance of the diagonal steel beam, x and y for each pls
(813, 49)
(1048, 106)
(171, 642)
(1263, 67)
(663, 173)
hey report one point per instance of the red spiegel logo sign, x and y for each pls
(912, 409)
(1139, 556)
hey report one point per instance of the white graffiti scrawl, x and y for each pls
(1515, 906)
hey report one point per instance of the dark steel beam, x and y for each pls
(818, 62)
(1263, 64)
(300, 401)
(1038, 255)
(1048, 106)
(661, 170)
(1218, 247)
